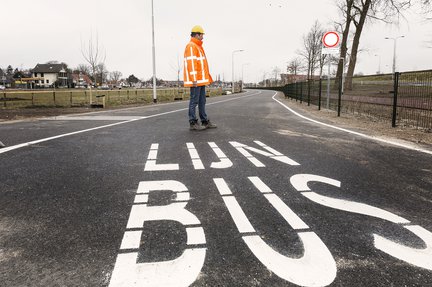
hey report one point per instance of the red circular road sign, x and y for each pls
(330, 39)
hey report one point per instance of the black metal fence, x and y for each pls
(404, 99)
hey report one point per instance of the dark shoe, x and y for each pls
(209, 125)
(196, 127)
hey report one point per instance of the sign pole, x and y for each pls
(328, 83)
(330, 41)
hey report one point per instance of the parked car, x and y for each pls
(2, 87)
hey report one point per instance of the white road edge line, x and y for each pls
(14, 147)
(353, 132)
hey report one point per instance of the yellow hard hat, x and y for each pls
(197, 29)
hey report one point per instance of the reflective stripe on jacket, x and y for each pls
(195, 65)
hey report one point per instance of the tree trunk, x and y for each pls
(353, 59)
(345, 34)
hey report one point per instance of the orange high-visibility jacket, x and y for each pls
(195, 65)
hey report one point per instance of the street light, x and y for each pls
(394, 50)
(264, 79)
(242, 75)
(379, 64)
(154, 58)
(232, 84)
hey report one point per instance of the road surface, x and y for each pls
(131, 197)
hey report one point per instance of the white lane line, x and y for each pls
(143, 107)
(407, 146)
(6, 149)
(94, 118)
(14, 147)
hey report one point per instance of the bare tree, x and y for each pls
(361, 12)
(83, 69)
(101, 73)
(276, 71)
(322, 61)
(312, 46)
(93, 54)
(295, 66)
(115, 76)
(345, 6)
(426, 7)
(357, 12)
(177, 68)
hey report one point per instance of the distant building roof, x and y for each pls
(49, 68)
(78, 76)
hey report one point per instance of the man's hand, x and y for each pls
(194, 84)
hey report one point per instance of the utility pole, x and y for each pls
(394, 51)
(379, 64)
(232, 84)
(242, 75)
(154, 58)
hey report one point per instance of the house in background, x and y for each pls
(80, 80)
(48, 75)
(5, 79)
(2, 78)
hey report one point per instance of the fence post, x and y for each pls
(71, 99)
(54, 98)
(319, 94)
(32, 99)
(4, 96)
(301, 92)
(309, 90)
(395, 95)
(339, 96)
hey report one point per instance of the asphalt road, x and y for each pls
(133, 198)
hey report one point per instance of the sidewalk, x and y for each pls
(363, 124)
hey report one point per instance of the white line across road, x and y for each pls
(14, 147)
(95, 118)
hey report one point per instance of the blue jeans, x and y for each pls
(197, 97)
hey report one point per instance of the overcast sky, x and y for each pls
(270, 32)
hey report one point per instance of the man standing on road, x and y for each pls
(197, 76)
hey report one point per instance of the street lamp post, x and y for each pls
(394, 51)
(242, 75)
(154, 58)
(232, 84)
(379, 64)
